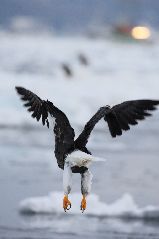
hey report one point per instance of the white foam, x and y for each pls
(124, 207)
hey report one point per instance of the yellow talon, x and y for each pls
(66, 203)
(83, 203)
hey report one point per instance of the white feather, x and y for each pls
(67, 178)
(80, 158)
(86, 182)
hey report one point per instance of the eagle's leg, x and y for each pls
(86, 181)
(67, 183)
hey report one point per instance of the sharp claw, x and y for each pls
(69, 206)
(82, 209)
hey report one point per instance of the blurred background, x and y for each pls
(80, 55)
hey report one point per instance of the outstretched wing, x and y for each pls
(119, 118)
(64, 133)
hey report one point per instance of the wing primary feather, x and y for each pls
(38, 116)
(27, 104)
(119, 118)
(41, 109)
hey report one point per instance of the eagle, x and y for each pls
(72, 154)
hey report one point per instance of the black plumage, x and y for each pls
(64, 133)
(119, 118)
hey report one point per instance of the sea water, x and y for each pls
(124, 202)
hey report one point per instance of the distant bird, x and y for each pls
(83, 59)
(67, 70)
(71, 154)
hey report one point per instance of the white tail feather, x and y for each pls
(98, 159)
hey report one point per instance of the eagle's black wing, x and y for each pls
(64, 133)
(118, 118)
